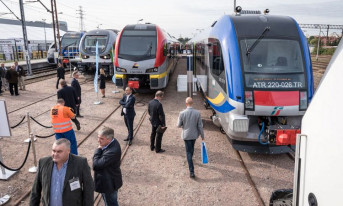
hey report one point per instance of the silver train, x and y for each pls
(106, 42)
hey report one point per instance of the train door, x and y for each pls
(217, 79)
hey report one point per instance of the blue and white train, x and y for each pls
(70, 48)
(259, 79)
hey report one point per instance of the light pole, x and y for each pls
(44, 35)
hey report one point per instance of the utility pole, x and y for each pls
(44, 35)
(320, 30)
(53, 23)
(27, 56)
(81, 18)
(58, 31)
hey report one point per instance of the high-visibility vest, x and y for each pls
(59, 123)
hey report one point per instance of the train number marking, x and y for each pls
(277, 85)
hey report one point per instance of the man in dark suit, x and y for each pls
(106, 166)
(157, 119)
(63, 179)
(128, 111)
(60, 74)
(75, 84)
(70, 99)
(12, 78)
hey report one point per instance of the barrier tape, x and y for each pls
(27, 154)
(18, 123)
(45, 136)
(40, 123)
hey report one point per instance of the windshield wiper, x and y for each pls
(148, 52)
(258, 40)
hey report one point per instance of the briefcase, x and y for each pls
(161, 129)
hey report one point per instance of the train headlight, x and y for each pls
(105, 57)
(120, 69)
(303, 100)
(151, 70)
(249, 100)
(85, 57)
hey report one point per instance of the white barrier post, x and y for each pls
(189, 76)
(34, 168)
(5, 174)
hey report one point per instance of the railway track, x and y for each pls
(39, 100)
(42, 73)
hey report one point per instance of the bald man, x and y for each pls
(191, 124)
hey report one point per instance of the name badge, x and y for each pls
(74, 184)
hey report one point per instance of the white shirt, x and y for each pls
(127, 98)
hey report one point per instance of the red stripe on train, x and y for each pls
(116, 51)
(161, 40)
(280, 98)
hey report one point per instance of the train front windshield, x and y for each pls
(89, 43)
(138, 45)
(70, 41)
(273, 64)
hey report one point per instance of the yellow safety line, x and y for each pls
(159, 76)
(121, 76)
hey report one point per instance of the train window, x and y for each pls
(217, 63)
(273, 63)
(89, 44)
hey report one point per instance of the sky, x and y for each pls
(180, 18)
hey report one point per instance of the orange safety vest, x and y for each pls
(59, 122)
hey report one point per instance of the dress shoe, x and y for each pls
(78, 127)
(17, 95)
(80, 116)
(152, 148)
(192, 175)
(160, 151)
(127, 139)
(130, 142)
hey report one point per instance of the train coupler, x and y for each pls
(133, 83)
(282, 134)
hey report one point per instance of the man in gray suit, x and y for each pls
(63, 179)
(191, 124)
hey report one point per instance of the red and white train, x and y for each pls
(145, 56)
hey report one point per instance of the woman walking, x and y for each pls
(102, 82)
